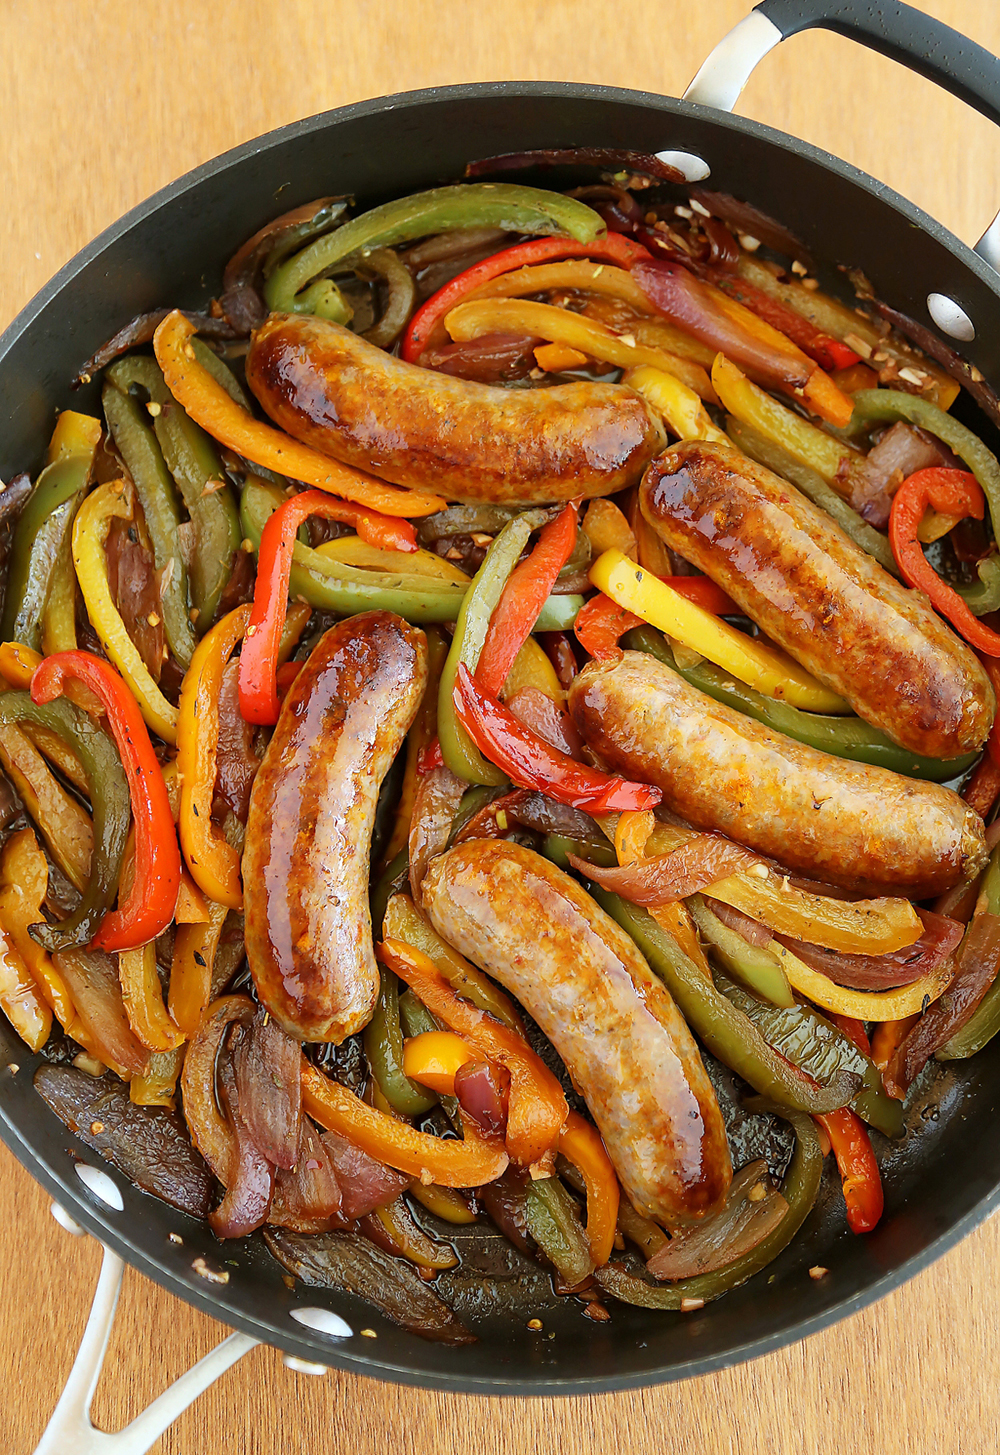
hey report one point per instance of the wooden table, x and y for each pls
(105, 102)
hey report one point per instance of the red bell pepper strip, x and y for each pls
(612, 248)
(150, 904)
(704, 592)
(430, 757)
(530, 762)
(259, 657)
(828, 352)
(854, 1030)
(858, 1168)
(599, 624)
(951, 492)
(523, 597)
(983, 788)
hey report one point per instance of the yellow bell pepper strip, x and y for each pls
(195, 947)
(209, 405)
(443, 1202)
(556, 358)
(353, 551)
(156, 1086)
(560, 326)
(605, 526)
(393, 1227)
(677, 405)
(537, 1107)
(90, 532)
(212, 860)
(772, 672)
(805, 442)
(59, 616)
(754, 966)
(581, 1144)
(191, 906)
(143, 1000)
(24, 881)
(149, 906)
(74, 434)
(610, 278)
(467, 1163)
(433, 1057)
(20, 998)
(532, 668)
(862, 1005)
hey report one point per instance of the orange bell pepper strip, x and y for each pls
(207, 402)
(582, 1144)
(433, 1058)
(20, 998)
(537, 1107)
(195, 947)
(600, 623)
(887, 1038)
(149, 907)
(212, 860)
(858, 1168)
(471, 1162)
(522, 598)
(259, 659)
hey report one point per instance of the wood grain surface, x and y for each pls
(101, 104)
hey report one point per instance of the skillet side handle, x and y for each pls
(916, 40)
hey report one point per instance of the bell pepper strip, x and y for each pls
(726, 1031)
(527, 760)
(805, 442)
(767, 452)
(854, 1030)
(214, 862)
(20, 998)
(393, 1227)
(514, 263)
(191, 907)
(90, 531)
(195, 948)
(954, 492)
(59, 616)
(433, 1057)
(157, 1085)
(38, 545)
(533, 671)
(799, 1188)
(603, 526)
(526, 590)
(209, 405)
(553, 1219)
(423, 731)
(600, 624)
(557, 358)
(754, 966)
(354, 551)
(17, 667)
(830, 353)
(258, 660)
(131, 429)
(876, 406)
(197, 471)
(863, 1005)
(143, 1000)
(24, 881)
(387, 1055)
(631, 835)
(858, 1168)
(459, 752)
(444, 1202)
(581, 1143)
(467, 1163)
(560, 326)
(537, 1105)
(677, 921)
(843, 737)
(404, 921)
(703, 591)
(442, 209)
(772, 672)
(150, 905)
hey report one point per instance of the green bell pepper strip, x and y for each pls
(220, 372)
(726, 1031)
(458, 750)
(773, 457)
(554, 1222)
(442, 209)
(843, 737)
(193, 461)
(383, 1043)
(799, 1189)
(818, 1048)
(42, 528)
(110, 806)
(874, 406)
(334, 586)
(415, 1019)
(383, 888)
(980, 1029)
(557, 848)
(754, 966)
(473, 799)
(138, 447)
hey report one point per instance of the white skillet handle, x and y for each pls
(70, 1432)
(909, 36)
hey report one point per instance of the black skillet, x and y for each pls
(945, 1176)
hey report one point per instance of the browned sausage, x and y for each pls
(305, 867)
(413, 426)
(839, 822)
(827, 602)
(625, 1044)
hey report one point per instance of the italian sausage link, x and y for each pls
(828, 603)
(413, 426)
(839, 822)
(312, 810)
(625, 1044)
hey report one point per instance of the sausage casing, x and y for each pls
(827, 602)
(312, 810)
(625, 1044)
(840, 822)
(412, 426)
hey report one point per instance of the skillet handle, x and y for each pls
(916, 40)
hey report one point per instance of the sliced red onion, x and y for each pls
(751, 1211)
(482, 1088)
(900, 452)
(749, 929)
(492, 359)
(268, 1073)
(750, 220)
(703, 860)
(308, 1198)
(537, 711)
(943, 354)
(435, 803)
(610, 158)
(940, 939)
(247, 1201)
(92, 980)
(365, 1184)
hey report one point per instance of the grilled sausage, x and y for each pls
(413, 426)
(312, 810)
(827, 602)
(839, 822)
(626, 1045)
